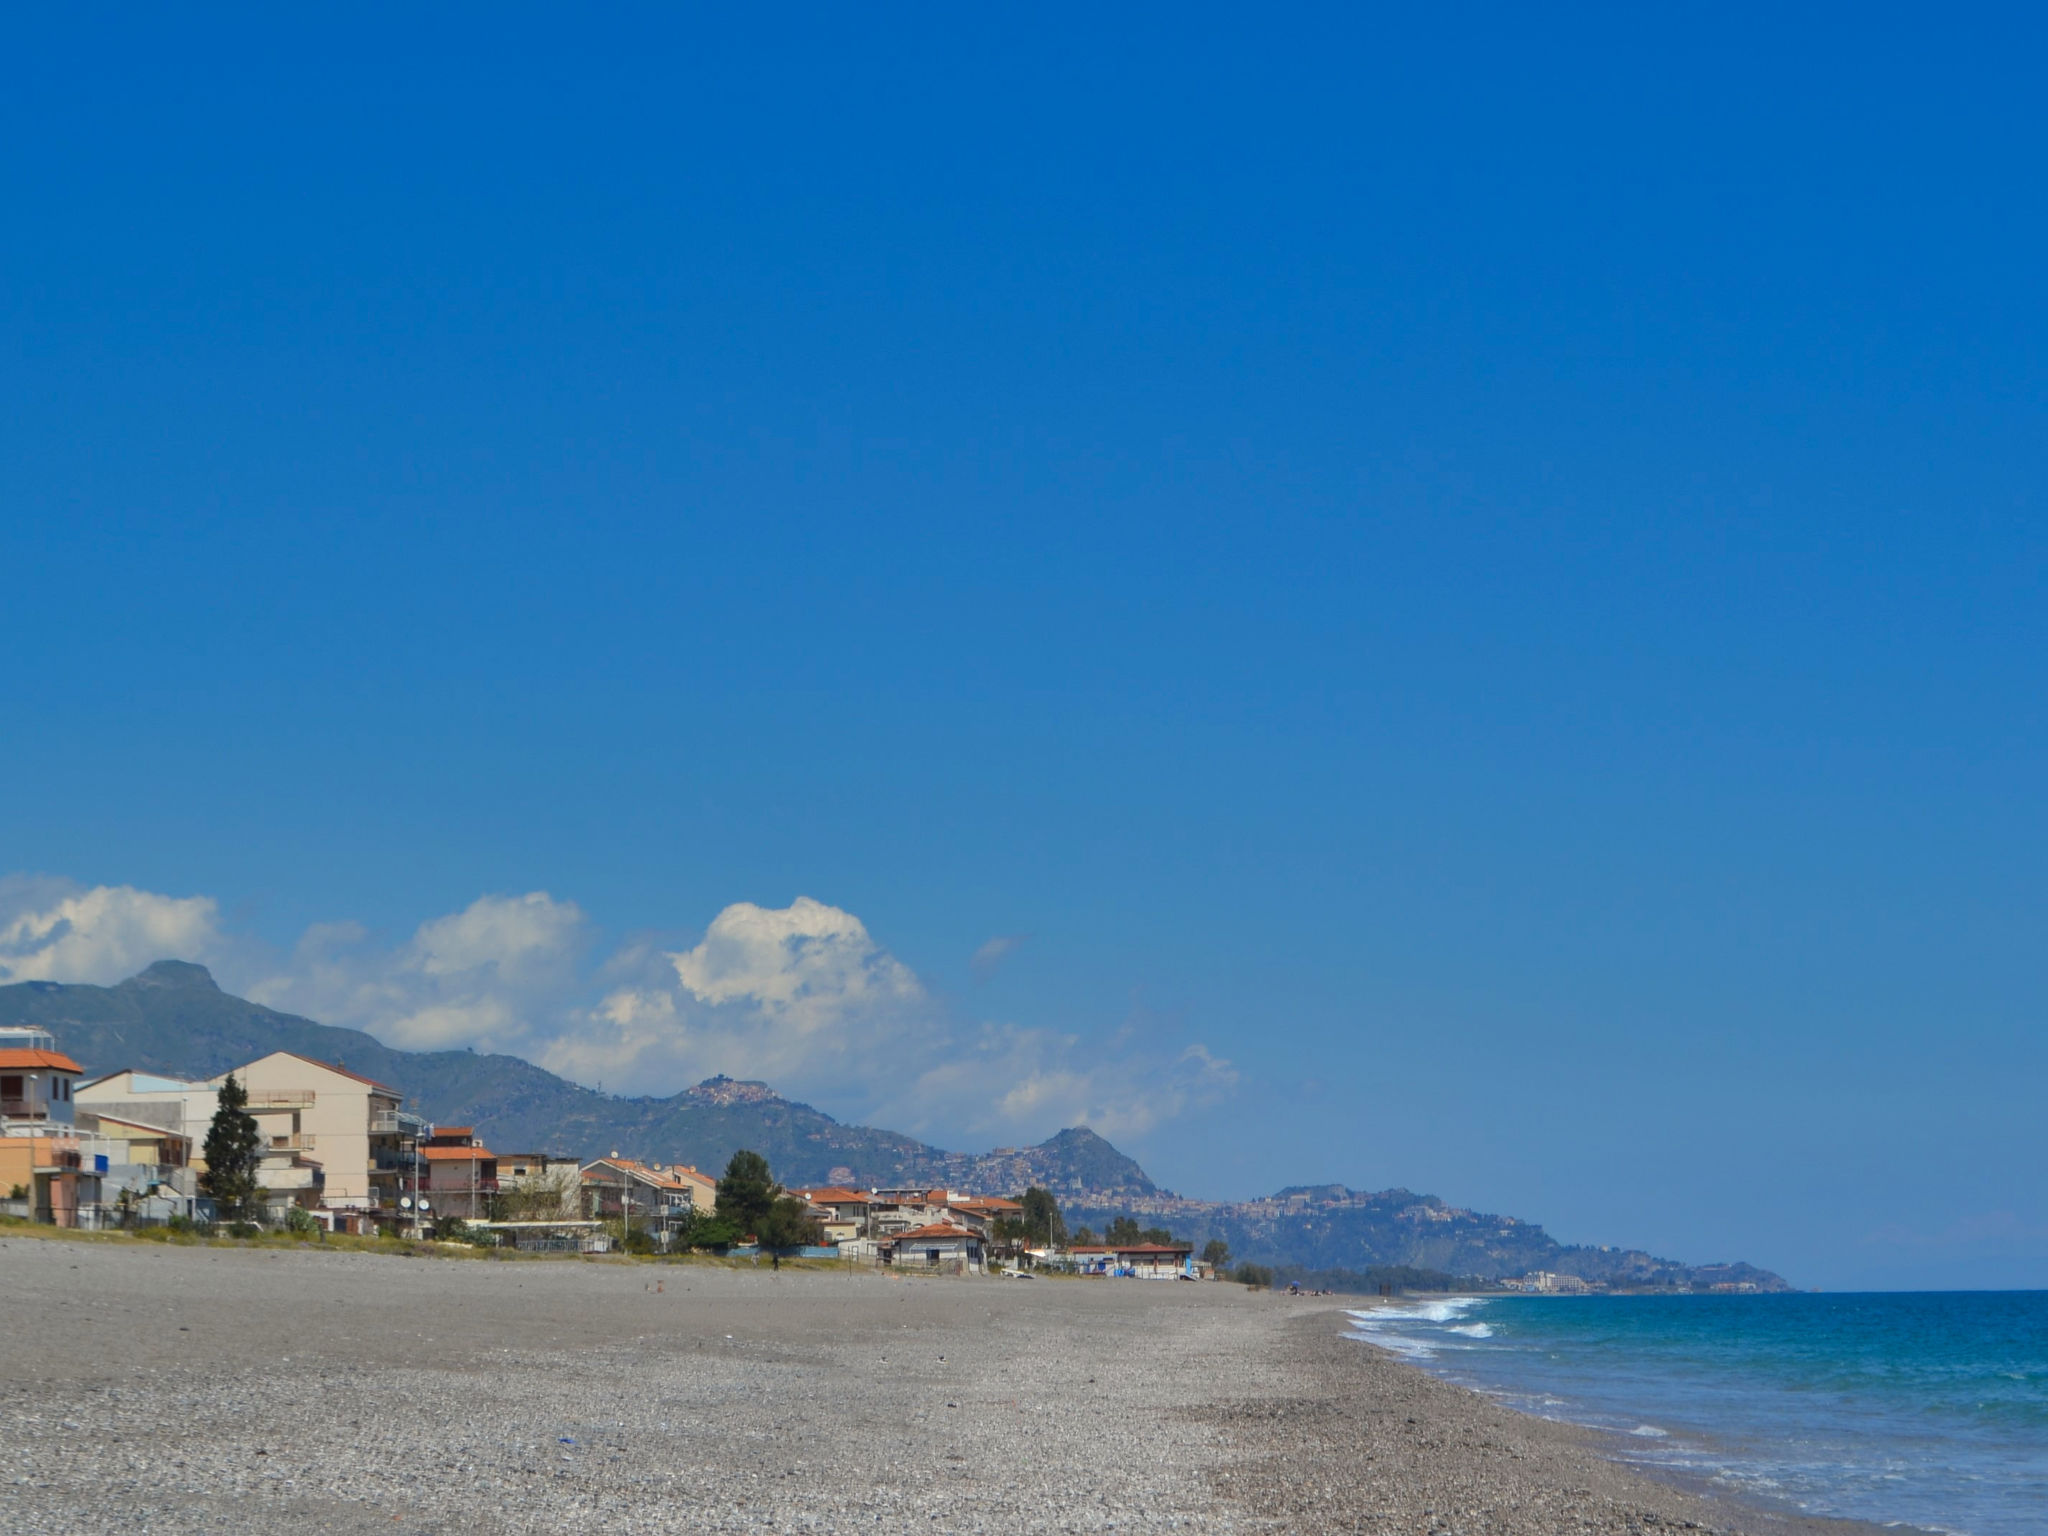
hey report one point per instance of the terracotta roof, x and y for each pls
(457, 1154)
(984, 1203)
(832, 1194)
(936, 1229)
(56, 1061)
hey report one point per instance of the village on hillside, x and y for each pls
(288, 1142)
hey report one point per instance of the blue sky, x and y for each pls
(1480, 574)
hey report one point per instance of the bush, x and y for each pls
(300, 1223)
(244, 1229)
(18, 1192)
(1256, 1276)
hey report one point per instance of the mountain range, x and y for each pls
(173, 1019)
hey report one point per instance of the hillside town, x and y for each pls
(330, 1150)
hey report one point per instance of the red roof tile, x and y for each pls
(55, 1061)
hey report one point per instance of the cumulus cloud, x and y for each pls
(56, 931)
(803, 997)
(800, 996)
(807, 963)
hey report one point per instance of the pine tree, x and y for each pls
(234, 1151)
(747, 1192)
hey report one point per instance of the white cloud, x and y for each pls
(989, 958)
(61, 932)
(501, 974)
(806, 963)
(799, 996)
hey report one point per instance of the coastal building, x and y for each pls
(982, 1212)
(50, 1166)
(333, 1140)
(458, 1173)
(940, 1246)
(834, 1203)
(37, 1081)
(183, 1106)
(332, 1131)
(644, 1197)
(703, 1186)
(1135, 1261)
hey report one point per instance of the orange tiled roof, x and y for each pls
(834, 1195)
(457, 1154)
(55, 1061)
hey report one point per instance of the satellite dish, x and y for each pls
(405, 1202)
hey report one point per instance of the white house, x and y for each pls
(940, 1246)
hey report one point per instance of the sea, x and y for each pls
(1925, 1409)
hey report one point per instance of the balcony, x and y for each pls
(280, 1098)
(290, 1144)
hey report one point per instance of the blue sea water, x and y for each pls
(1926, 1409)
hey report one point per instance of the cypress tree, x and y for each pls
(747, 1192)
(234, 1151)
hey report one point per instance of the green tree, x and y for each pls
(1257, 1276)
(1083, 1237)
(1122, 1232)
(747, 1192)
(705, 1230)
(1216, 1254)
(789, 1224)
(1041, 1220)
(233, 1152)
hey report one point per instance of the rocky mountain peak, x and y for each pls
(174, 973)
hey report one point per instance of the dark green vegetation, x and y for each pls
(747, 1191)
(233, 1153)
(173, 1019)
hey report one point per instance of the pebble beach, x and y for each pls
(148, 1388)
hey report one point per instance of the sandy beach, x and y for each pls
(161, 1388)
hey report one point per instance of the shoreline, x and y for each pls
(177, 1389)
(1487, 1466)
